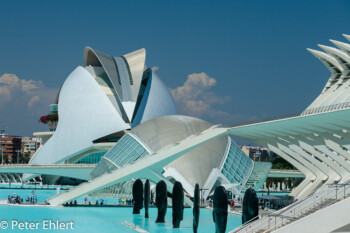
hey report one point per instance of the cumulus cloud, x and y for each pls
(5, 95)
(23, 101)
(28, 91)
(155, 68)
(194, 97)
(9, 80)
(33, 100)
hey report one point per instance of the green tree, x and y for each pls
(280, 163)
(24, 158)
(6, 158)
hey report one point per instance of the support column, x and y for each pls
(155, 177)
(332, 160)
(309, 176)
(332, 175)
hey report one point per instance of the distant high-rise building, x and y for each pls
(258, 153)
(30, 144)
(11, 146)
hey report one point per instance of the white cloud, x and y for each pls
(155, 68)
(194, 98)
(29, 85)
(33, 100)
(9, 80)
(23, 91)
(23, 102)
(5, 95)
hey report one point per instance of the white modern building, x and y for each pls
(115, 111)
(98, 103)
(119, 109)
(217, 162)
(173, 148)
(316, 141)
(30, 144)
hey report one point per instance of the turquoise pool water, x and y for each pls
(43, 195)
(106, 219)
(98, 219)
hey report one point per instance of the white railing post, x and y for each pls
(275, 222)
(336, 192)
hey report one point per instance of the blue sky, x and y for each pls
(255, 51)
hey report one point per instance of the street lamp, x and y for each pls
(18, 151)
(201, 196)
(2, 149)
(258, 153)
(2, 154)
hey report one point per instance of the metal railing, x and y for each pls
(253, 225)
(311, 111)
(285, 171)
(82, 184)
(298, 209)
(312, 206)
(47, 165)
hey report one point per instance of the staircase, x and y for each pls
(258, 176)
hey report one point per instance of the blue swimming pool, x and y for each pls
(98, 219)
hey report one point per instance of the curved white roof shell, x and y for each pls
(194, 166)
(219, 161)
(160, 133)
(85, 114)
(158, 102)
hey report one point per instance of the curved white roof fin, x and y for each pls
(90, 58)
(136, 63)
(330, 62)
(347, 37)
(342, 57)
(343, 46)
